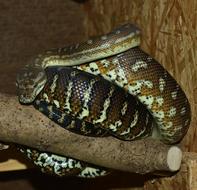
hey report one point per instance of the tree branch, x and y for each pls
(24, 125)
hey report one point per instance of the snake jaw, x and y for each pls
(30, 82)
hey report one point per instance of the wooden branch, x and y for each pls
(24, 125)
(186, 179)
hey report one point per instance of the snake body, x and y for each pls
(32, 78)
(117, 58)
(87, 105)
(143, 77)
(62, 166)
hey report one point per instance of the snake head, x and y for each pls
(30, 82)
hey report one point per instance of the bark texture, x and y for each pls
(186, 179)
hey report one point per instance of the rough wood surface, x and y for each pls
(169, 33)
(186, 179)
(27, 126)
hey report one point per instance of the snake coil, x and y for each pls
(104, 86)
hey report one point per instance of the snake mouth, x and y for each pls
(28, 95)
(26, 98)
(28, 91)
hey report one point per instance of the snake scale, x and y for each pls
(104, 86)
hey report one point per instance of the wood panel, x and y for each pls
(169, 34)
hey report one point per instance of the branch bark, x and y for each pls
(24, 125)
(186, 179)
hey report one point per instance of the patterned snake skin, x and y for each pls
(87, 105)
(62, 166)
(90, 105)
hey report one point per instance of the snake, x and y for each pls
(129, 120)
(117, 58)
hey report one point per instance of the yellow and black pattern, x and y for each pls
(62, 166)
(90, 105)
(143, 77)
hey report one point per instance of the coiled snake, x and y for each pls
(124, 85)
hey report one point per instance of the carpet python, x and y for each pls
(116, 58)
